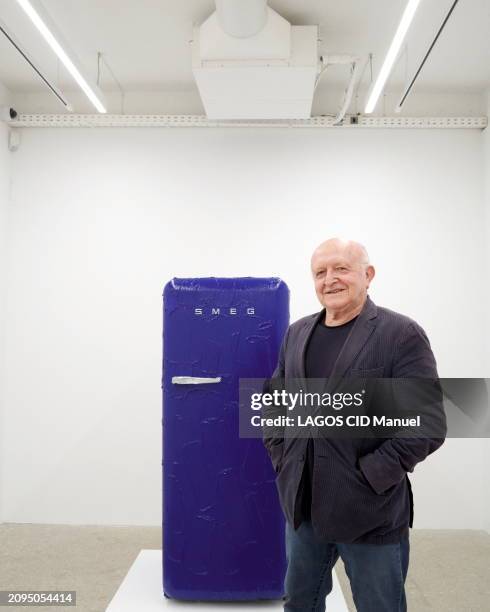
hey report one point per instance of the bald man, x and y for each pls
(349, 498)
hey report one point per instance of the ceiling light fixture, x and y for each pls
(392, 54)
(62, 55)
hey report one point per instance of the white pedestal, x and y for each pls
(141, 591)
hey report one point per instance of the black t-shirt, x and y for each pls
(323, 348)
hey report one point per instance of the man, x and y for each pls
(349, 498)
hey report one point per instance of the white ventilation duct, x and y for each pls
(241, 18)
(250, 63)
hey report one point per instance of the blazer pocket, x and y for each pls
(368, 484)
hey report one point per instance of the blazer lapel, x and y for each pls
(357, 338)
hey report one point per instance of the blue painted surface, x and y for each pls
(223, 528)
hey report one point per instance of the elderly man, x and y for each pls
(349, 498)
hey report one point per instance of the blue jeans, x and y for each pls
(376, 572)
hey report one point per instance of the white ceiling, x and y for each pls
(146, 45)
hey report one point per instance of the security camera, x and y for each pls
(7, 113)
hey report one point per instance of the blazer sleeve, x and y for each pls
(273, 438)
(390, 462)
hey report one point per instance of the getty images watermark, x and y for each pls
(364, 407)
(336, 401)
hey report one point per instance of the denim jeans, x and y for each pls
(376, 572)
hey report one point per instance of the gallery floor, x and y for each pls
(449, 570)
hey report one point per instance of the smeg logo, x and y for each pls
(218, 310)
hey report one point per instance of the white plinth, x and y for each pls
(141, 591)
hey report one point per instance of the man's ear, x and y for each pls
(370, 272)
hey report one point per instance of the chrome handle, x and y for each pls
(194, 380)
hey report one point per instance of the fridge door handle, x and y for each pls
(194, 380)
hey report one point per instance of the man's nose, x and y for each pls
(330, 277)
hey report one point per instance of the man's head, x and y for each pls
(342, 273)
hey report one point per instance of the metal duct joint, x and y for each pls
(242, 18)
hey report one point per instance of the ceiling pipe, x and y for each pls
(355, 72)
(409, 88)
(357, 64)
(242, 18)
(31, 63)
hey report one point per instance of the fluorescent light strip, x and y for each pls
(56, 47)
(392, 54)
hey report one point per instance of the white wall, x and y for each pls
(102, 218)
(5, 175)
(4, 196)
(486, 169)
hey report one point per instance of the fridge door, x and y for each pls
(223, 529)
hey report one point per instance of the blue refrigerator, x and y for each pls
(223, 528)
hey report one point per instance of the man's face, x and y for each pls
(341, 279)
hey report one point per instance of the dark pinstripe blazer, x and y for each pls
(360, 489)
